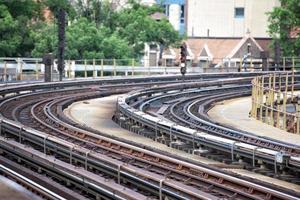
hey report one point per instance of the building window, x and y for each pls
(239, 12)
(182, 14)
(167, 9)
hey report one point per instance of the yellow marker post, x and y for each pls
(262, 98)
(69, 68)
(293, 79)
(85, 72)
(115, 72)
(5, 71)
(284, 101)
(101, 67)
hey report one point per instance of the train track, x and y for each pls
(168, 114)
(29, 184)
(138, 170)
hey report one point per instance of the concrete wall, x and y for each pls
(218, 16)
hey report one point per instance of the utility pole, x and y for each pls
(61, 20)
(183, 54)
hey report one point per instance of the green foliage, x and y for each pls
(9, 37)
(45, 38)
(96, 30)
(84, 41)
(136, 25)
(16, 20)
(282, 20)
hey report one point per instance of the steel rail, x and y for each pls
(48, 109)
(238, 134)
(38, 189)
(252, 188)
(65, 172)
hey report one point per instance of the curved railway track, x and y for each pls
(29, 184)
(168, 113)
(138, 170)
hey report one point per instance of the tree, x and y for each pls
(59, 8)
(85, 41)
(283, 20)
(136, 25)
(16, 22)
(9, 37)
(97, 11)
(45, 38)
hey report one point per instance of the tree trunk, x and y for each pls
(61, 20)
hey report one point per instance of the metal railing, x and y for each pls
(274, 101)
(12, 69)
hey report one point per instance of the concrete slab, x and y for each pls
(235, 113)
(97, 114)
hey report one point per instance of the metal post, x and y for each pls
(5, 71)
(284, 101)
(283, 63)
(115, 73)
(20, 135)
(206, 64)
(69, 68)
(119, 174)
(262, 98)
(293, 79)
(253, 156)
(160, 189)
(45, 150)
(85, 72)
(71, 149)
(241, 65)
(86, 159)
(268, 101)
(272, 100)
(101, 67)
(21, 71)
(94, 69)
(275, 165)
(232, 151)
(254, 97)
(132, 73)
(278, 106)
(36, 70)
(298, 116)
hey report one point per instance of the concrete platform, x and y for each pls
(97, 114)
(235, 113)
(10, 190)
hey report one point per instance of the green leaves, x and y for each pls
(9, 37)
(97, 30)
(282, 21)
